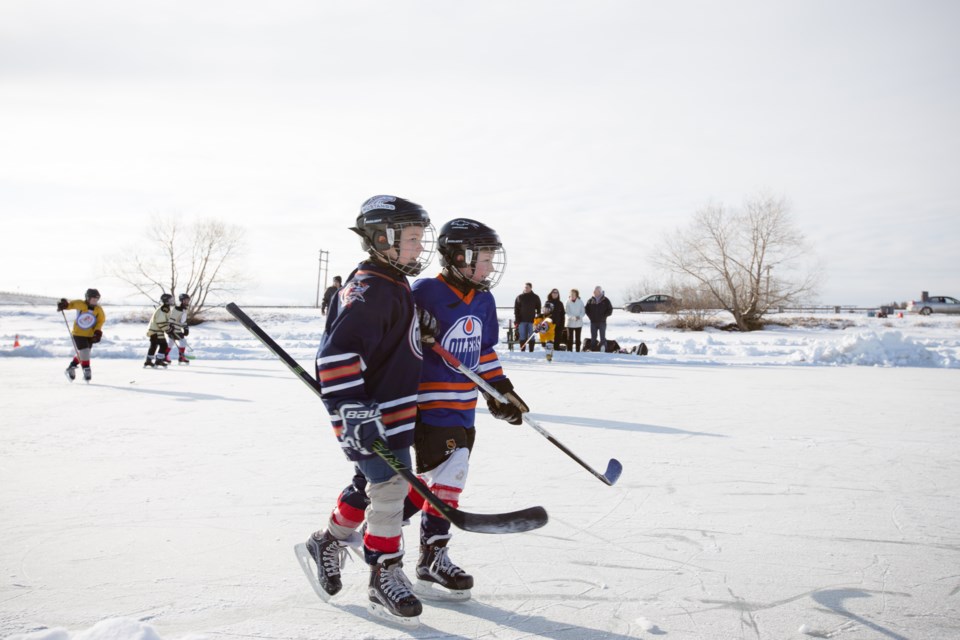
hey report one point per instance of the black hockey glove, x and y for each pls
(186, 331)
(513, 411)
(362, 426)
(63, 304)
(428, 326)
(97, 336)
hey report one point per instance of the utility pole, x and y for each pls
(323, 272)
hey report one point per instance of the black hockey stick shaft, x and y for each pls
(614, 468)
(513, 522)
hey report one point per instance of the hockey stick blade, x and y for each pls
(514, 522)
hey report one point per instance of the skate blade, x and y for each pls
(309, 570)
(67, 376)
(381, 613)
(433, 591)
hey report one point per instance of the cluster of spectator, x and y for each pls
(567, 316)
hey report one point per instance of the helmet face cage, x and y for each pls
(387, 236)
(462, 256)
(381, 223)
(461, 241)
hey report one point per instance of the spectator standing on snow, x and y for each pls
(575, 311)
(369, 366)
(598, 309)
(329, 293)
(525, 308)
(86, 332)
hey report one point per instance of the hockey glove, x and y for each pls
(186, 331)
(513, 411)
(63, 304)
(428, 326)
(362, 427)
(97, 335)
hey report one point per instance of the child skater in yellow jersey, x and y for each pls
(86, 332)
(545, 329)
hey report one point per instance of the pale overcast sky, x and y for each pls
(581, 131)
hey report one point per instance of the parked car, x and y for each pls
(652, 302)
(934, 304)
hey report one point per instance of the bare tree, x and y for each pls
(196, 259)
(748, 262)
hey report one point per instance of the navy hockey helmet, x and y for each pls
(379, 224)
(91, 293)
(460, 242)
(547, 308)
(184, 296)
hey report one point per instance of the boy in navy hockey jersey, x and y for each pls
(460, 301)
(368, 366)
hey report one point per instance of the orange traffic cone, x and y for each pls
(16, 341)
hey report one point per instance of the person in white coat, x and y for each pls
(575, 310)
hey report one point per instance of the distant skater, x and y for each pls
(86, 332)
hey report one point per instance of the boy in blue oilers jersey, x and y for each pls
(368, 366)
(460, 302)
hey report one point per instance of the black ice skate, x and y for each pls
(161, 362)
(71, 372)
(87, 374)
(149, 363)
(391, 595)
(328, 555)
(438, 578)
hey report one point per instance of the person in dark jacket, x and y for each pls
(329, 293)
(559, 317)
(525, 308)
(599, 309)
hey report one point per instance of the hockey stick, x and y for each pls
(614, 468)
(70, 333)
(513, 522)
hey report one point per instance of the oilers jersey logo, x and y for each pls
(413, 337)
(463, 341)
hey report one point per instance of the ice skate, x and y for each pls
(391, 595)
(87, 374)
(71, 372)
(160, 362)
(438, 578)
(149, 363)
(328, 555)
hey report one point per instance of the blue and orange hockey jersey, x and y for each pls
(467, 328)
(371, 350)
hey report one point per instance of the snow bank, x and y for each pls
(109, 629)
(861, 341)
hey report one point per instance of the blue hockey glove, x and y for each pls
(512, 411)
(362, 427)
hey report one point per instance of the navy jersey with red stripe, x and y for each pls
(467, 328)
(371, 350)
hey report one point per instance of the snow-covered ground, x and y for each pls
(789, 483)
